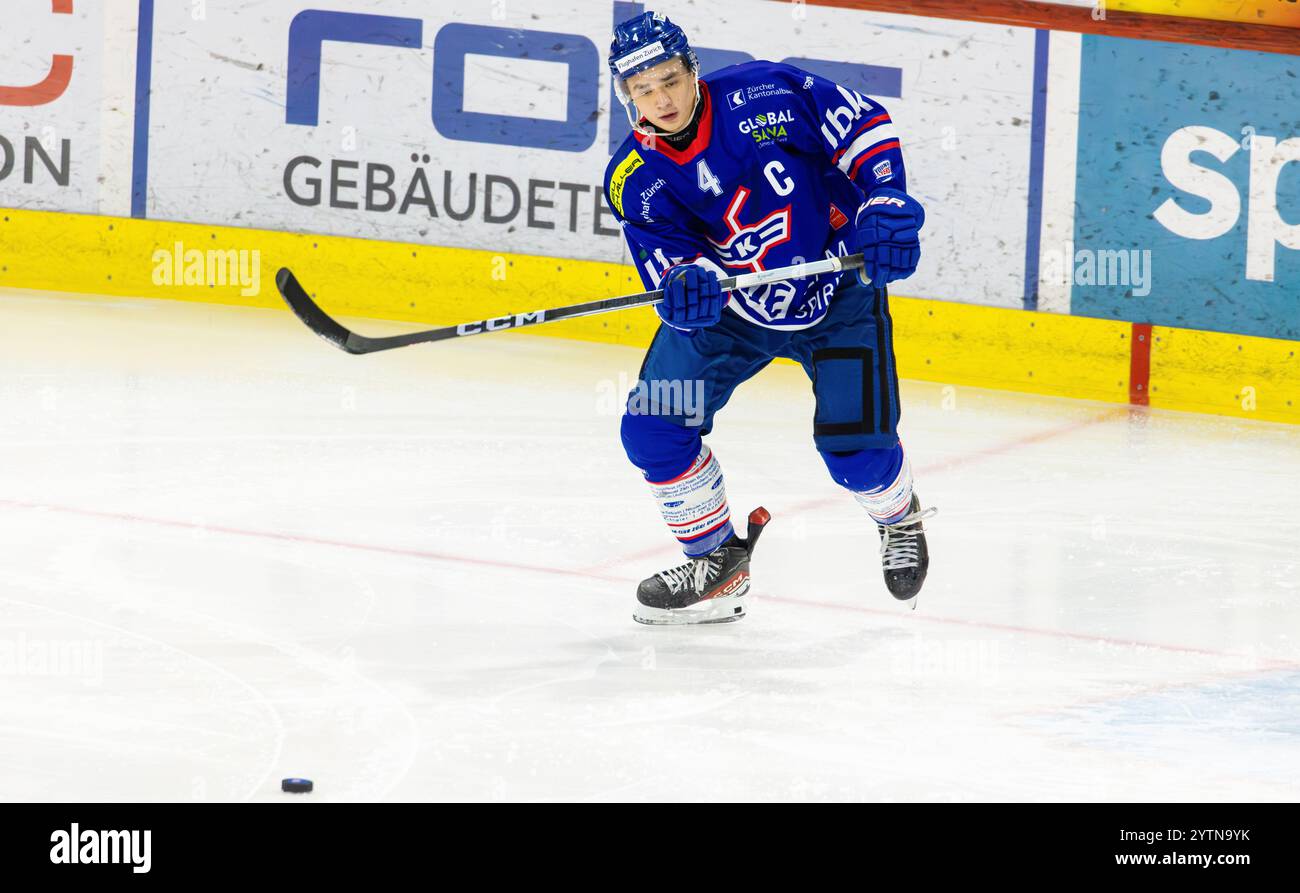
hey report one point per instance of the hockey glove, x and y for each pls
(692, 298)
(888, 235)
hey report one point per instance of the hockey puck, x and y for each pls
(296, 785)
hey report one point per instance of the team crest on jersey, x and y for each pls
(619, 178)
(747, 244)
(883, 171)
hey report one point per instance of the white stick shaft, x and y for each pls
(797, 271)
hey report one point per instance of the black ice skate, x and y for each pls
(903, 553)
(710, 589)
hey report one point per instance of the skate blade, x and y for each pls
(718, 610)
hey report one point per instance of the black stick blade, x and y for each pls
(309, 312)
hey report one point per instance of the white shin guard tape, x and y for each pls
(891, 502)
(694, 505)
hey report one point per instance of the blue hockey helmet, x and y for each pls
(643, 42)
(646, 40)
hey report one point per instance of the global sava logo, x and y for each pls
(768, 126)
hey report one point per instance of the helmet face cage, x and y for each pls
(647, 40)
(629, 105)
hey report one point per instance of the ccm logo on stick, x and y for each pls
(500, 322)
(55, 83)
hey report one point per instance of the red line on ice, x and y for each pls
(594, 574)
(300, 538)
(905, 617)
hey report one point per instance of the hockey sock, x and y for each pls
(890, 503)
(861, 471)
(694, 505)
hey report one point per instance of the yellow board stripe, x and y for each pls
(959, 344)
(1016, 350)
(1225, 374)
(349, 277)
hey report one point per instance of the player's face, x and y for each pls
(664, 95)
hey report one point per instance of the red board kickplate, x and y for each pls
(1139, 366)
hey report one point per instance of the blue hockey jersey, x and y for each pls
(781, 163)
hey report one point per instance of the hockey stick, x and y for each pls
(343, 338)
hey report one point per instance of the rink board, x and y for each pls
(943, 341)
(1196, 171)
(404, 121)
(1278, 13)
(1040, 153)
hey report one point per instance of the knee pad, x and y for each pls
(863, 470)
(659, 448)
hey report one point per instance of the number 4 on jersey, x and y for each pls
(708, 182)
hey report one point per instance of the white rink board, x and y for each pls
(85, 129)
(220, 142)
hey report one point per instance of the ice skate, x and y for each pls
(709, 589)
(904, 557)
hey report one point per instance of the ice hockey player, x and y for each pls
(760, 165)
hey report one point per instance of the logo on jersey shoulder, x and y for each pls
(767, 126)
(883, 171)
(736, 98)
(758, 91)
(619, 178)
(747, 244)
(839, 120)
(646, 195)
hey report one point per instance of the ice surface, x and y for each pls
(232, 554)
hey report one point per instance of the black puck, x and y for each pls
(296, 785)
